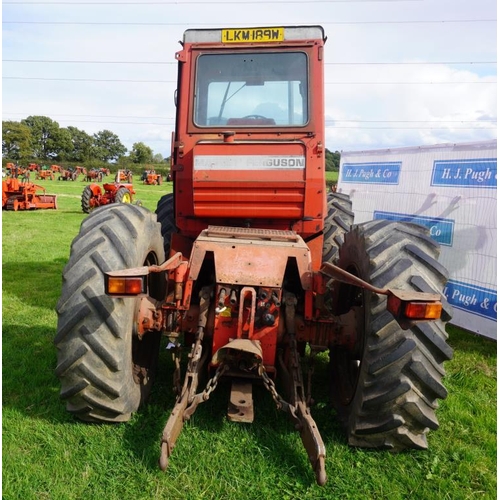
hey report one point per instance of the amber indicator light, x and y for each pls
(423, 310)
(133, 285)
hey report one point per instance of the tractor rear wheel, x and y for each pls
(123, 196)
(385, 387)
(87, 195)
(166, 217)
(338, 221)
(106, 372)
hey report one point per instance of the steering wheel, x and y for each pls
(255, 117)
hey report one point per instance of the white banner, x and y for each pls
(451, 189)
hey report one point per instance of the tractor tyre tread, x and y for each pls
(86, 197)
(95, 336)
(394, 400)
(166, 217)
(338, 221)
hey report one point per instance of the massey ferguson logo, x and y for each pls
(248, 162)
(286, 162)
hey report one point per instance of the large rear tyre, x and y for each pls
(166, 217)
(386, 387)
(338, 221)
(106, 372)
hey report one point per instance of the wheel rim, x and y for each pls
(126, 198)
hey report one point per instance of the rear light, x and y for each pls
(413, 306)
(123, 286)
(423, 310)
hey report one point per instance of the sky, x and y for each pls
(398, 73)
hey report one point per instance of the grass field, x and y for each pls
(47, 454)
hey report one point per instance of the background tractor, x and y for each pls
(124, 176)
(94, 195)
(150, 177)
(18, 195)
(44, 175)
(253, 266)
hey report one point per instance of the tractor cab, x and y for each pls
(248, 146)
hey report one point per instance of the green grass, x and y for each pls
(47, 454)
(331, 178)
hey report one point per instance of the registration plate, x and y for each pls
(252, 35)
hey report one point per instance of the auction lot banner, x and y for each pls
(451, 189)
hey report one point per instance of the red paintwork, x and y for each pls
(270, 198)
(285, 200)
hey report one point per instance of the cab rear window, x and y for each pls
(251, 90)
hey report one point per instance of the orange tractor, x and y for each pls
(44, 175)
(124, 175)
(150, 177)
(94, 196)
(253, 266)
(18, 195)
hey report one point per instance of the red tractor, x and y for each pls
(253, 265)
(94, 196)
(93, 174)
(69, 174)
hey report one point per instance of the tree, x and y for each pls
(158, 158)
(82, 145)
(16, 141)
(107, 146)
(48, 140)
(63, 146)
(141, 153)
(332, 161)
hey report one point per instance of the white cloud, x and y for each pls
(440, 106)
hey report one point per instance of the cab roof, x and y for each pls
(254, 35)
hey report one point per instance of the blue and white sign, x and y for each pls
(452, 190)
(372, 173)
(473, 299)
(441, 230)
(465, 173)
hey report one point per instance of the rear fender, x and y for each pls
(96, 189)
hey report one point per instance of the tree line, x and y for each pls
(39, 138)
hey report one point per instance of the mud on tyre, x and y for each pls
(105, 371)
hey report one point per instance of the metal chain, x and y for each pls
(271, 387)
(212, 383)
